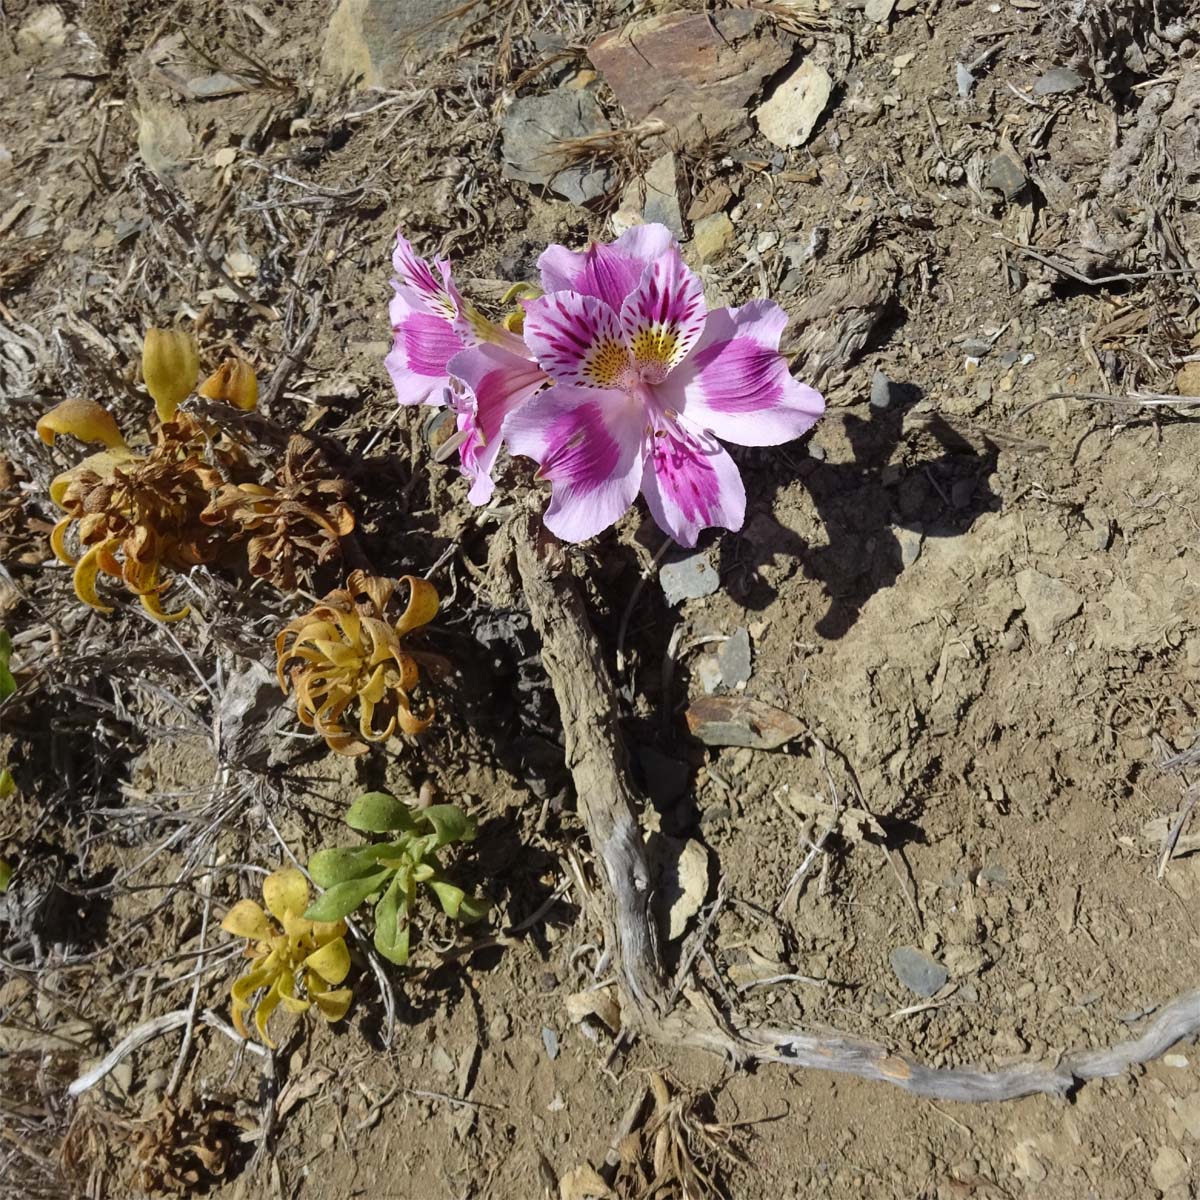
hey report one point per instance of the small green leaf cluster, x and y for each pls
(394, 870)
(8, 684)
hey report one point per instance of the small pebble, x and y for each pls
(688, 577)
(550, 1041)
(882, 391)
(1058, 80)
(918, 971)
(734, 659)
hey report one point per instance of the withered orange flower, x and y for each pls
(347, 649)
(136, 515)
(300, 520)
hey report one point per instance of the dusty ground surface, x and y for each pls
(978, 594)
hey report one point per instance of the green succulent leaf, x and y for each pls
(343, 898)
(449, 896)
(8, 684)
(377, 812)
(5, 874)
(8, 785)
(331, 867)
(473, 908)
(391, 938)
(450, 824)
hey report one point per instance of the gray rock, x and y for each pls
(964, 79)
(532, 128)
(662, 194)
(376, 41)
(1005, 175)
(550, 1041)
(734, 659)
(918, 971)
(788, 118)
(882, 391)
(1049, 604)
(976, 347)
(878, 10)
(251, 712)
(911, 541)
(1058, 80)
(688, 577)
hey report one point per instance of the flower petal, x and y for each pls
(246, 919)
(499, 382)
(736, 384)
(577, 339)
(690, 483)
(664, 316)
(607, 271)
(285, 892)
(422, 345)
(414, 273)
(589, 444)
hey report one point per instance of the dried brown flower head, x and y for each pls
(292, 524)
(136, 516)
(348, 650)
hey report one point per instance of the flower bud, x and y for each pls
(233, 382)
(169, 367)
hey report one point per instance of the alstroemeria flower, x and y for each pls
(645, 380)
(444, 351)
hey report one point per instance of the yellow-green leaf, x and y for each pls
(170, 365)
(331, 962)
(247, 919)
(285, 892)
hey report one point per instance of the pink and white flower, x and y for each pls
(445, 352)
(644, 382)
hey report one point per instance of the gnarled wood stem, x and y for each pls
(608, 805)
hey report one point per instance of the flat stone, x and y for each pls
(734, 659)
(662, 194)
(741, 721)
(1169, 1168)
(532, 128)
(878, 11)
(374, 42)
(212, 87)
(550, 1042)
(787, 119)
(251, 714)
(1005, 175)
(1049, 604)
(712, 236)
(1098, 528)
(918, 971)
(688, 577)
(1058, 80)
(697, 72)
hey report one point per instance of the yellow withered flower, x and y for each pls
(170, 366)
(135, 515)
(348, 650)
(233, 382)
(287, 952)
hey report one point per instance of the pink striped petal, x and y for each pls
(690, 483)
(590, 444)
(499, 383)
(736, 384)
(608, 271)
(422, 346)
(664, 316)
(577, 339)
(435, 295)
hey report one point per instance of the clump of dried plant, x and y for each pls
(348, 650)
(290, 525)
